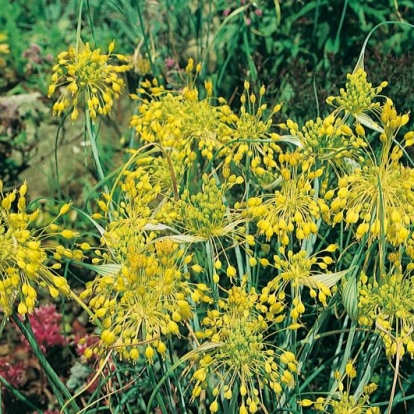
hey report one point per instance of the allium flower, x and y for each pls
(236, 357)
(379, 196)
(252, 141)
(89, 79)
(299, 270)
(326, 141)
(206, 215)
(23, 260)
(292, 208)
(180, 121)
(389, 304)
(358, 98)
(145, 301)
(343, 402)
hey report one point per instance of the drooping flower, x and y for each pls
(327, 141)
(343, 401)
(389, 304)
(24, 265)
(379, 195)
(300, 270)
(143, 299)
(90, 78)
(182, 123)
(235, 355)
(292, 209)
(252, 142)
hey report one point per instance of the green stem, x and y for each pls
(90, 128)
(58, 387)
(17, 394)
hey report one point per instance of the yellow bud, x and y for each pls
(68, 234)
(23, 189)
(134, 354)
(64, 209)
(231, 271)
(243, 409)
(149, 352)
(197, 268)
(306, 403)
(214, 406)
(22, 308)
(111, 46)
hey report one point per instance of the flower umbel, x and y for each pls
(358, 95)
(23, 259)
(390, 304)
(237, 352)
(144, 301)
(89, 77)
(344, 402)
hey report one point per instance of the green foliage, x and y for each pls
(247, 245)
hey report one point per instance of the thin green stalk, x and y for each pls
(90, 128)
(57, 385)
(346, 355)
(160, 401)
(210, 266)
(17, 394)
(177, 381)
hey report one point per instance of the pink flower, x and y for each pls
(226, 12)
(46, 325)
(169, 63)
(13, 374)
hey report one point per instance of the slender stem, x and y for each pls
(17, 394)
(90, 128)
(60, 390)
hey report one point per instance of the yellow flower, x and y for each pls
(89, 78)
(292, 209)
(379, 199)
(185, 126)
(389, 304)
(343, 401)
(24, 261)
(326, 141)
(378, 196)
(357, 97)
(251, 140)
(235, 351)
(301, 270)
(143, 297)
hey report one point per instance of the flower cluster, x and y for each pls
(390, 305)
(24, 266)
(143, 302)
(222, 230)
(89, 79)
(358, 95)
(344, 401)
(237, 354)
(294, 208)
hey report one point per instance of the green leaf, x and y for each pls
(350, 298)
